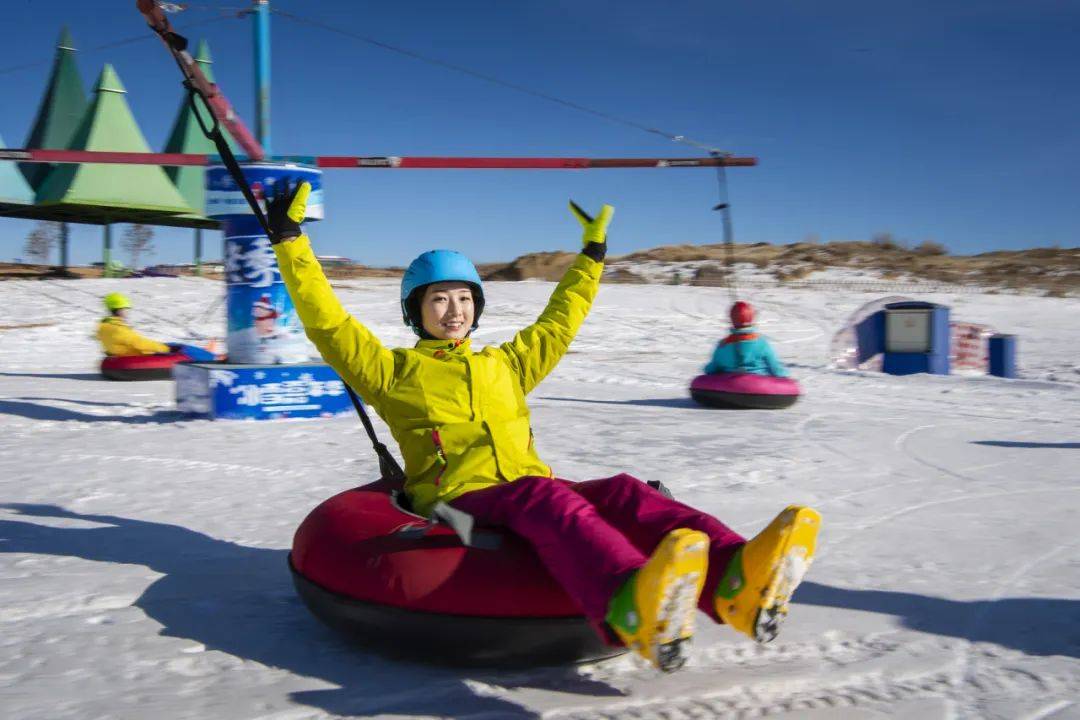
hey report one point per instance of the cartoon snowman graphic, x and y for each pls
(265, 316)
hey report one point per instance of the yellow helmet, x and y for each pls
(116, 301)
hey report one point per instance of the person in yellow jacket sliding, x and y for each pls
(636, 561)
(119, 338)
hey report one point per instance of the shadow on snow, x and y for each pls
(1023, 444)
(240, 600)
(1035, 626)
(57, 376)
(19, 407)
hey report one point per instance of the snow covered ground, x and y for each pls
(142, 553)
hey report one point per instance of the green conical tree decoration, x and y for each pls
(187, 137)
(109, 125)
(14, 190)
(62, 108)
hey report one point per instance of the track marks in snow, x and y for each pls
(983, 615)
(183, 464)
(901, 440)
(893, 514)
(793, 310)
(1048, 711)
(59, 606)
(803, 431)
(902, 446)
(879, 687)
(841, 651)
(78, 308)
(91, 305)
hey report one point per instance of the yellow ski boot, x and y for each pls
(752, 596)
(653, 612)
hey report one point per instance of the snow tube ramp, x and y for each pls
(368, 569)
(141, 367)
(744, 391)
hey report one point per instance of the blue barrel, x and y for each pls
(1003, 355)
(263, 327)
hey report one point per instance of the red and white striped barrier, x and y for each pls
(969, 348)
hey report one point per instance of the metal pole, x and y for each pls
(261, 17)
(64, 236)
(198, 251)
(356, 162)
(106, 252)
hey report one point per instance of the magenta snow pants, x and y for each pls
(592, 535)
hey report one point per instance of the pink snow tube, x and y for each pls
(141, 367)
(742, 391)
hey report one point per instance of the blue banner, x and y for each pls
(224, 199)
(252, 392)
(263, 327)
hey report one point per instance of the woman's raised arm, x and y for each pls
(349, 347)
(535, 351)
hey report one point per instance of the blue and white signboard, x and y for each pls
(246, 392)
(224, 199)
(263, 327)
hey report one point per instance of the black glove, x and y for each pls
(286, 210)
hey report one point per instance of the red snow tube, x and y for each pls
(367, 568)
(141, 367)
(745, 391)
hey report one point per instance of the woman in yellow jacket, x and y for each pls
(632, 558)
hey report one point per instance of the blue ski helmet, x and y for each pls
(432, 267)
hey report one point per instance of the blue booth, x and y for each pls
(870, 337)
(1002, 355)
(916, 338)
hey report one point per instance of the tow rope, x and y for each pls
(724, 207)
(222, 113)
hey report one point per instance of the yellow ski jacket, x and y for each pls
(458, 416)
(118, 338)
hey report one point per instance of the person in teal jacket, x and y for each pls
(744, 351)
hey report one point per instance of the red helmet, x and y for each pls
(742, 314)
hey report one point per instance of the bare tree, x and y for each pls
(138, 239)
(929, 247)
(886, 241)
(41, 240)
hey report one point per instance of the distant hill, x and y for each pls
(1051, 271)
(1054, 271)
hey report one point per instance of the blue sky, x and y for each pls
(945, 120)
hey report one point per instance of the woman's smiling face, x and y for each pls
(447, 310)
